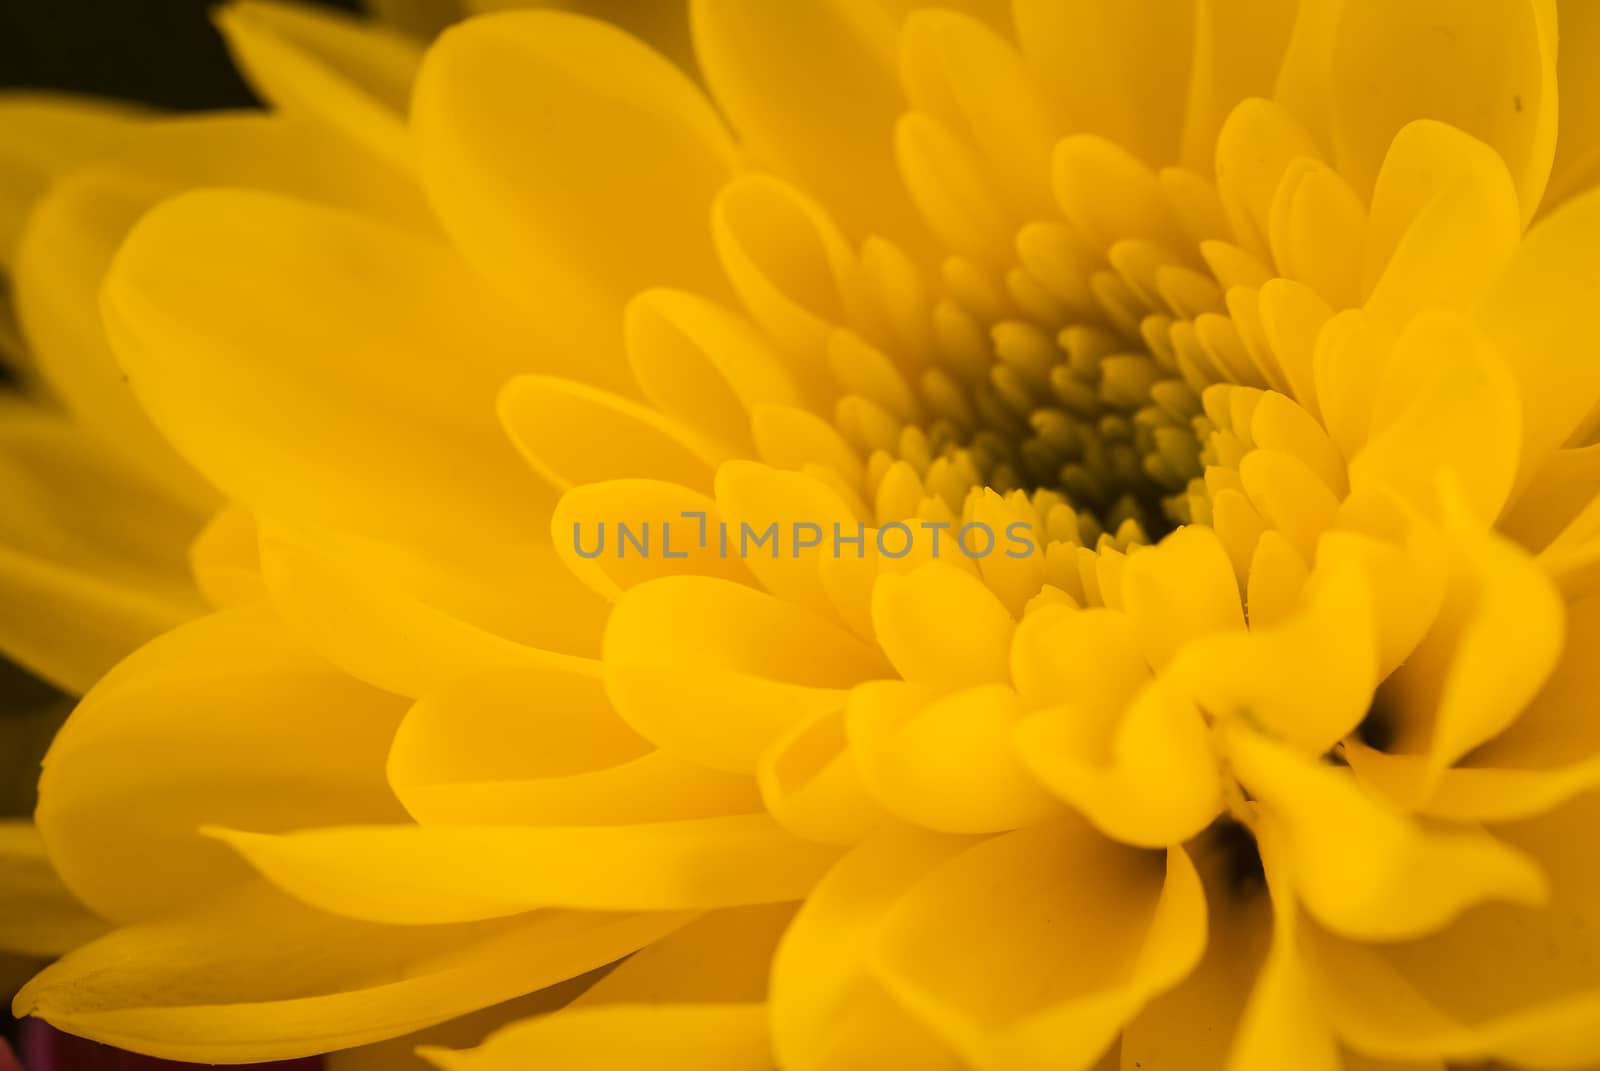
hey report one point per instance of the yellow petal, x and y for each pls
(1144, 776)
(1179, 590)
(1529, 315)
(1020, 964)
(1497, 636)
(1487, 68)
(427, 875)
(1505, 982)
(75, 230)
(1255, 147)
(1548, 755)
(1088, 658)
(255, 976)
(804, 515)
(225, 720)
(389, 361)
(46, 135)
(1577, 163)
(1447, 401)
(1361, 867)
(91, 555)
(38, 916)
(649, 1037)
(421, 18)
(761, 62)
(1121, 71)
(356, 76)
(1444, 224)
(827, 1012)
(571, 433)
(407, 622)
(811, 783)
(1239, 47)
(574, 222)
(225, 559)
(1308, 678)
(968, 77)
(941, 626)
(474, 753)
(714, 671)
(945, 762)
(699, 362)
(1283, 1023)
(618, 533)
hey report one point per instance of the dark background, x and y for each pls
(160, 52)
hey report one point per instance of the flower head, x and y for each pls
(1157, 446)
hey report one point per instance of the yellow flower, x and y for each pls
(1255, 340)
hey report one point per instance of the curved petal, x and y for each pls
(715, 671)
(47, 135)
(1050, 978)
(826, 1009)
(761, 62)
(254, 976)
(1488, 68)
(424, 875)
(224, 720)
(506, 115)
(1533, 313)
(1118, 70)
(945, 762)
(1361, 867)
(354, 75)
(408, 622)
(940, 626)
(1308, 678)
(389, 361)
(1504, 982)
(74, 231)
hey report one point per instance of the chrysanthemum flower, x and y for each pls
(1267, 328)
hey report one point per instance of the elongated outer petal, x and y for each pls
(1049, 979)
(254, 976)
(75, 230)
(91, 555)
(38, 915)
(1533, 313)
(420, 875)
(408, 622)
(353, 74)
(1363, 868)
(508, 117)
(1239, 48)
(761, 62)
(1118, 70)
(1488, 68)
(650, 1037)
(1577, 163)
(227, 719)
(386, 350)
(46, 135)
